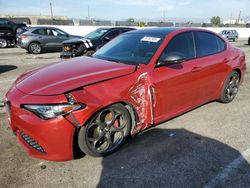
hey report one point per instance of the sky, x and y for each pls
(123, 9)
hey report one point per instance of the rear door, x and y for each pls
(213, 58)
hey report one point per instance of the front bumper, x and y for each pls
(65, 54)
(46, 139)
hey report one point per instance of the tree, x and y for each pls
(215, 21)
(141, 24)
(131, 20)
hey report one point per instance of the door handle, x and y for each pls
(196, 69)
(225, 60)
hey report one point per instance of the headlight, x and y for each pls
(53, 110)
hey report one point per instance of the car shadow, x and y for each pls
(6, 68)
(171, 158)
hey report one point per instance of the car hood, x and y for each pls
(68, 75)
(75, 41)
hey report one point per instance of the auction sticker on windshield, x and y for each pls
(151, 39)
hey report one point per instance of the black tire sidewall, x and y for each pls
(6, 43)
(223, 97)
(82, 138)
(89, 53)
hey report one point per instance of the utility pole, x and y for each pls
(88, 13)
(164, 15)
(51, 11)
(238, 21)
(231, 15)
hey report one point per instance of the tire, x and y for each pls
(230, 88)
(35, 48)
(89, 53)
(106, 131)
(3, 43)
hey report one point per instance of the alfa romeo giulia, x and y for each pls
(139, 79)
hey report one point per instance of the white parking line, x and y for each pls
(224, 174)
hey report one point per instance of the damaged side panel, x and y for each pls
(139, 93)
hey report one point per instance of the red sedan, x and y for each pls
(139, 79)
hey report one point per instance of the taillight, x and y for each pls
(23, 36)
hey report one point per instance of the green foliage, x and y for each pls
(215, 21)
(131, 20)
(141, 24)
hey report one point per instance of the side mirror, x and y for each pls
(107, 39)
(170, 59)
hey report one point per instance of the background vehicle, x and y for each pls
(8, 31)
(91, 42)
(40, 39)
(249, 40)
(230, 34)
(139, 79)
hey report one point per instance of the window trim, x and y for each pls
(194, 44)
(217, 37)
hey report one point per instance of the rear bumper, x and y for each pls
(45, 139)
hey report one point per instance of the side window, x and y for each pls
(3, 22)
(112, 34)
(40, 32)
(125, 30)
(57, 32)
(221, 44)
(182, 44)
(206, 44)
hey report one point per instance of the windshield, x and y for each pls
(96, 34)
(131, 48)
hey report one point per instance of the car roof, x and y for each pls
(157, 30)
(109, 28)
(42, 27)
(168, 30)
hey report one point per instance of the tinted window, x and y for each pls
(40, 32)
(3, 22)
(206, 43)
(112, 34)
(182, 44)
(221, 44)
(57, 32)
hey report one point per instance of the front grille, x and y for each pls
(30, 141)
(67, 48)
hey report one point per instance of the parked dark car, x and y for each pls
(91, 42)
(43, 39)
(8, 31)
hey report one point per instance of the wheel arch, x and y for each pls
(238, 71)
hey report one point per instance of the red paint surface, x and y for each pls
(156, 94)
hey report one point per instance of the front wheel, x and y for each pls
(3, 43)
(106, 131)
(89, 53)
(231, 87)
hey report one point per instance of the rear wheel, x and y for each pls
(35, 48)
(106, 131)
(3, 43)
(231, 87)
